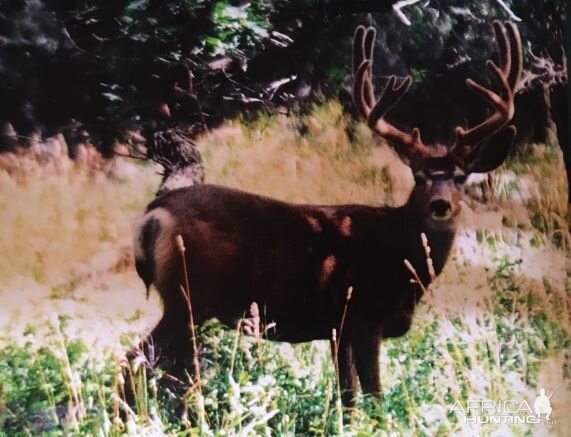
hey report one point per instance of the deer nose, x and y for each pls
(440, 208)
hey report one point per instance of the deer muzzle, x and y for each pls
(440, 209)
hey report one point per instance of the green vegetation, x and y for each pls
(496, 324)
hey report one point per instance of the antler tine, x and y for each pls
(503, 45)
(363, 43)
(390, 96)
(360, 95)
(358, 48)
(516, 69)
(375, 110)
(368, 46)
(508, 75)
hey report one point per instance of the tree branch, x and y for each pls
(397, 8)
(508, 10)
(338, 7)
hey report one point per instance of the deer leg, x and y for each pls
(158, 348)
(347, 373)
(171, 336)
(366, 350)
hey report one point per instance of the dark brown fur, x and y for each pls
(298, 261)
(244, 248)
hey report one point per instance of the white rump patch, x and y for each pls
(166, 222)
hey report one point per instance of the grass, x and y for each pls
(496, 324)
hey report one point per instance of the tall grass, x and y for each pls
(495, 325)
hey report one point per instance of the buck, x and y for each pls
(298, 261)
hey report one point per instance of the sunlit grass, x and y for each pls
(52, 224)
(496, 324)
(307, 161)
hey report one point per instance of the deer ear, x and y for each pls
(492, 153)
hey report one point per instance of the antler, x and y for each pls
(509, 74)
(409, 145)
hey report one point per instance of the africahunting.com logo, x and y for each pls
(511, 411)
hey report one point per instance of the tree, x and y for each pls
(97, 69)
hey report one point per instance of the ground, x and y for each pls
(495, 326)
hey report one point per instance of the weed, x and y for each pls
(492, 324)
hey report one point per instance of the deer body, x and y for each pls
(295, 261)
(298, 261)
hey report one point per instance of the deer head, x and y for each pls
(439, 170)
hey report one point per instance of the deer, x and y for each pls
(297, 261)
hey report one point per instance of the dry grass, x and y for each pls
(66, 242)
(67, 247)
(271, 157)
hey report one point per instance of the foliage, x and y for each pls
(250, 386)
(494, 321)
(110, 66)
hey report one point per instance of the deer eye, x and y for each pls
(460, 179)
